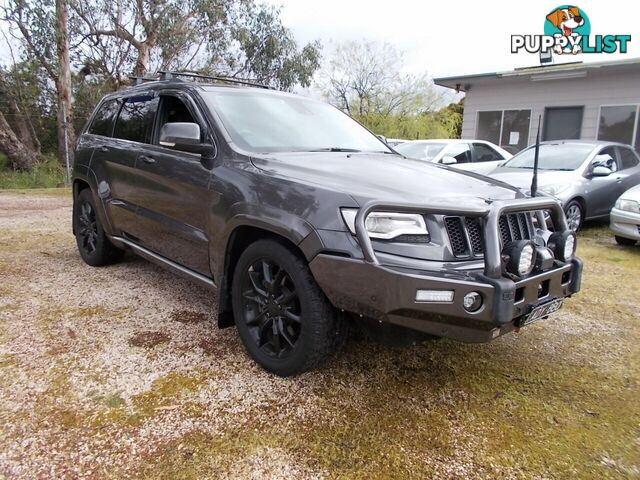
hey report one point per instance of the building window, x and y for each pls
(617, 124)
(507, 128)
(562, 123)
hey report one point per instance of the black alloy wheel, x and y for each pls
(271, 308)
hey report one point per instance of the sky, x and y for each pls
(452, 37)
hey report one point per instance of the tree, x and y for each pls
(363, 78)
(43, 28)
(237, 38)
(20, 157)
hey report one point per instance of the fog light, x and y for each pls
(563, 245)
(472, 302)
(435, 296)
(521, 257)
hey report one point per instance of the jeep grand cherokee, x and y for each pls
(299, 219)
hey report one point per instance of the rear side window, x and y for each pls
(484, 153)
(102, 123)
(136, 119)
(628, 158)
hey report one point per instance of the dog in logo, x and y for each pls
(565, 20)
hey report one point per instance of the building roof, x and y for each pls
(539, 72)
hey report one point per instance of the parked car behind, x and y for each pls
(477, 156)
(625, 217)
(587, 177)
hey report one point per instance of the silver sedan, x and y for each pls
(587, 177)
(625, 217)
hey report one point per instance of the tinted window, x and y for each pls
(102, 123)
(616, 123)
(489, 126)
(563, 156)
(562, 123)
(484, 153)
(614, 162)
(628, 158)
(420, 150)
(136, 119)
(460, 151)
(515, 128)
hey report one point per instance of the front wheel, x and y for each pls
(283, 318)
(575, 215)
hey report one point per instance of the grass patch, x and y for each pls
(48, 174)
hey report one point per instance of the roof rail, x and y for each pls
(165, 75)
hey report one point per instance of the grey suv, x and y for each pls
(302, 221)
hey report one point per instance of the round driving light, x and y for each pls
(563, 245)
(520, 257)
(472, 302)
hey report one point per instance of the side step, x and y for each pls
(164, 262)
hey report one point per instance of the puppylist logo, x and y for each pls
(567, 30)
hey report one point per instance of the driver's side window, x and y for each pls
(172, 110)
(612, 163)
(460, 151)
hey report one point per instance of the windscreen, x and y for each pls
(267, 122)
(563, 156)
(420, 151)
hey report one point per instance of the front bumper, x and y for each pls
(625, 224)
(388, 292)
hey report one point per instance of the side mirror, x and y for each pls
(184, 136)
(600, 171)
(447, 160)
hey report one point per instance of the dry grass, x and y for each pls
(121, 371)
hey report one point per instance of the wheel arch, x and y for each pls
(238, 240)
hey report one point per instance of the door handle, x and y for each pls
(104, 149)
(147, 159)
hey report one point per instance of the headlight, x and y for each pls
(387, 225)
(628, 205)
(563, 245)
(555, 189)
(521, 257)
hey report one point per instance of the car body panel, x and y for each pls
(626, 223)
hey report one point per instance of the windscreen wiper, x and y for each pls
(335, 149)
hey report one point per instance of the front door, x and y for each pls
(605, 190)
(171, 193)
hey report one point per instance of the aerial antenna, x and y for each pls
(534, 180)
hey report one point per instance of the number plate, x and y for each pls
(541, 311)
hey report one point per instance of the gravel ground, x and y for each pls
(121, 372)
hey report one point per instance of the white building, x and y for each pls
(576, 100)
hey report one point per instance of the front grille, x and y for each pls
(466, 238)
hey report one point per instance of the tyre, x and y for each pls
(283, 318)
(625, 242)
(575, 215)
(94, 246)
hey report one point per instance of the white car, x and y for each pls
(625, 217)
(478, 156)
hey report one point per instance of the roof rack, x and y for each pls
(164, 75)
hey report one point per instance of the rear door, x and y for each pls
(171, 191)
(133, 127)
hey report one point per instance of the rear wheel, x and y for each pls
(575, 215)
(626, 242)
(284, 320)
(94, 246)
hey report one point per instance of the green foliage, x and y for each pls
(48, 174)
(445, 123)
